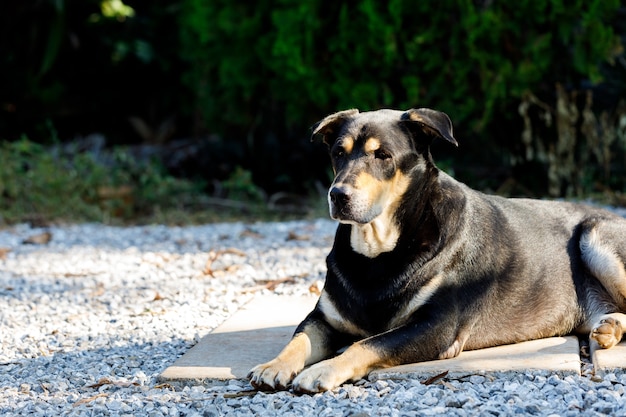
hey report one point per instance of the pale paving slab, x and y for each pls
(609, 360)
(259, 330)
(553, 354)
(253, 335)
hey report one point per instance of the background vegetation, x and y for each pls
(202, 102)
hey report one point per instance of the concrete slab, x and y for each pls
(554, 354)
(609, 360)
(259, 330)
(254, 334)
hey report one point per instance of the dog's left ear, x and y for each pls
(330, 126)
(429, 123)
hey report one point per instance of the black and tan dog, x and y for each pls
(423, 267)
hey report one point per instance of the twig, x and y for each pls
(89, 399)
(435, 378)
(247, 393)
(269, 285)
(213, 255)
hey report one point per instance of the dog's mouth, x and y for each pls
(349, 218)
(345, 215)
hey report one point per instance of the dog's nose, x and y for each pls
(339, 196)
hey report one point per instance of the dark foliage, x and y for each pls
(247, 79)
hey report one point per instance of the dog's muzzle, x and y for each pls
(347, 206)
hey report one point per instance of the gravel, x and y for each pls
(89, 319)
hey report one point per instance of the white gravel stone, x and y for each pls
(89, 320)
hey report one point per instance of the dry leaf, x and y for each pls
(271, 284)
(106, 381)
(158, 297)
(316, 288)
(164, 386)
(213, 255)
(39, 239)
(584, 351)
(90, 399)
(98, 291)
(3, 252)
(435, 378)
(101, 382)
(248, 393)
(294, 236)
(250, 233)
(149, 312)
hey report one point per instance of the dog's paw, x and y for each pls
(453, 351)
(271, 376)
(322, 376)
(607, 332)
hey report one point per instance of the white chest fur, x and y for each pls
(372, 239)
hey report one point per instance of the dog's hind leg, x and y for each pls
(608, 330)
(603, 250)
(456, 347)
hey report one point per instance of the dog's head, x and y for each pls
(375, 155)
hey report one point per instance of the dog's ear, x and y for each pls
(429, 123)
(330, 126)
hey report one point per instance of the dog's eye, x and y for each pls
(339, 153)
(381, 154)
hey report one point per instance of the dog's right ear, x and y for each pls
(330, 126)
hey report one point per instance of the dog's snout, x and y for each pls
(339, 196)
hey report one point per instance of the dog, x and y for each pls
(423, 267)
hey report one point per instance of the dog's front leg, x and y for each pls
(404, 344)
(311, 343)
(356, 362)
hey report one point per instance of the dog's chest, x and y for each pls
(357, 315)
(370, 296)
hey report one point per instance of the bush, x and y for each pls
(43, 184)
(262, 71)
(533, 87)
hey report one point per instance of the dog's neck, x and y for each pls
(378, 236)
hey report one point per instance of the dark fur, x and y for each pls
(480, 270)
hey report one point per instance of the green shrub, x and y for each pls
(254, 75)
(34, 185)
(37, 184)
(263, 71)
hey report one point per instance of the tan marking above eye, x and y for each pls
(416, 117)
(371, 145)
(347, 144)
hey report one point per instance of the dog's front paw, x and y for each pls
(607, 332)
(273, 375)
(320, 377)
